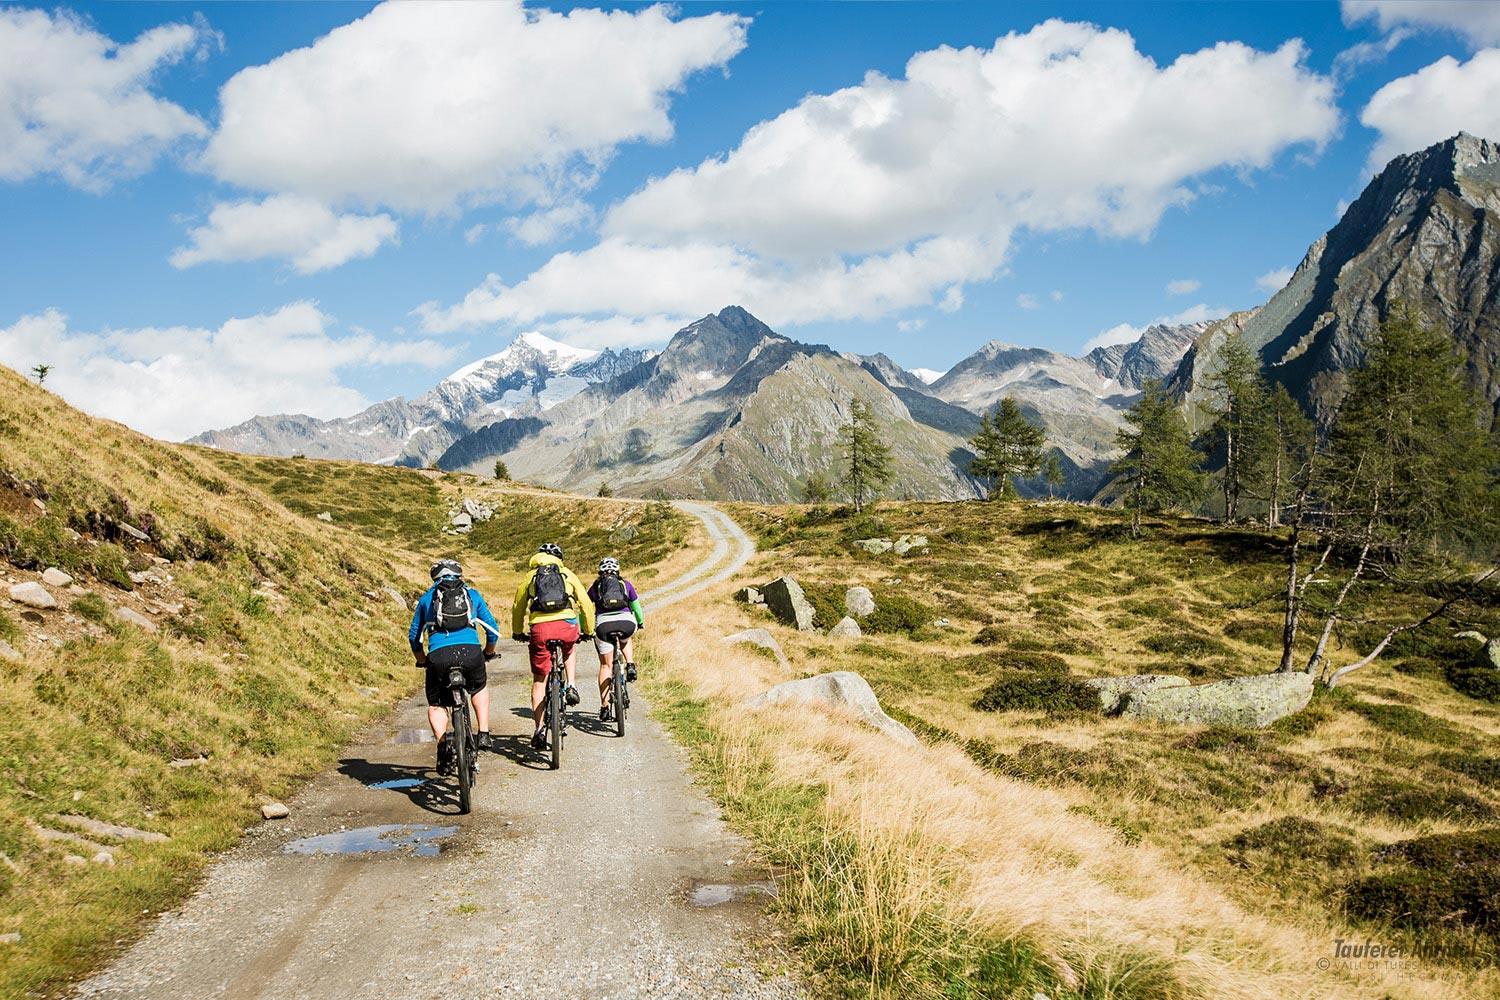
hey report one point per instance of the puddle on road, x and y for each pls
(399, 783)
(412, 736)
(422, 840)
(719, 893)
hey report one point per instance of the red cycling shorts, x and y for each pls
(541, 658)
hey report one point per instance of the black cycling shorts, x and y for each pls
(467, 656)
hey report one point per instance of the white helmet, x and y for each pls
(609, 564)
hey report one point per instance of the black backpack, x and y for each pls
(451, 608)
(549, 591)
(612, 593)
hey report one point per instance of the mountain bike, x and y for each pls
(619, 692)
(552, 720)
(465, 746)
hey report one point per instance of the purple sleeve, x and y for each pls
(594, 591)
(630, 593)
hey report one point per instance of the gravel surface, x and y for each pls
(574, 883)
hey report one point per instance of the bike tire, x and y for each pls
(617, 696)
(555, 703)
(463, 754)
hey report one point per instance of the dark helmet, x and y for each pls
(446, 567)
(551, 549)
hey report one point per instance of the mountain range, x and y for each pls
(732, 409)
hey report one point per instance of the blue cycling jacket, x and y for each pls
(471, 636)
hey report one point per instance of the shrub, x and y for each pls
(9, 630)
(93, 607)
(1413, 803)
(1477, 767)
(896, 613)
(1188, 644)
(1050, 693)
(1482, 683)
(993, 635)
(1292, 842)
(1403, 720)
(1254, 631)
(1222, 739)
(1454, 879)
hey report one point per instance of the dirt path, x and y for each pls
(613, 877)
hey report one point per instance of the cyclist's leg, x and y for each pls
(606, 664)
(437, 697)
(541, 665)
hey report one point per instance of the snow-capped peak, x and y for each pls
(927, 375)
(529, 350)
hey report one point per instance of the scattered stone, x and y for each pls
(626, 532)
(941, 623)
(847, 628)
(134, 617)
(477, 510)
(361, 614)
(77, 796)
(161, 561)
(103, 858)
(76, 860)
(54, 577)
(275, 810)
(138, 577)
(463, 520)
(749, 595)
(367, 692)
(33, 595)
(99, 828)
(39, 505)
(10, 937)
(325, 516)
(909, 543)
(874, 546)
(182, 762)
(1489, 656)
(859, 602)
(395, 595)
(134, 532)
(9, 652)
(842, 688)
(76, 590)
(787, 602)
(72, 535)
(1254, 701)
(762, 638)
(1113, 689)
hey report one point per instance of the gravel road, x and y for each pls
(613, 877)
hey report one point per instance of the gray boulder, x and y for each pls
(847, 628)
(760, 637)
(874, 546)
(1489, 656)
(842, 688)
(54, 577)
(135, 618)
(9, 652)
(33, 595)
(787, 602)
(909, 543)
(1254, 701)
(325, 516)
(859, 602)
(749, 595)
(1113, 689)
(477, 510)
(463, 520)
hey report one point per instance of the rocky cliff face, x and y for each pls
(1425, 232)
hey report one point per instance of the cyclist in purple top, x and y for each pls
(617, 611)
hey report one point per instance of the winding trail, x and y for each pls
(611, 878)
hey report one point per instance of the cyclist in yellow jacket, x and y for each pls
(558, 607)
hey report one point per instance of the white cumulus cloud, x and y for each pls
(1275, 281)
(303, 230)
(76, 103)
(897, 192)
(1183, 286)
(428, 107)
(1435, 103)
(1478, 21)
(173, 382)
(1028, 301)
(1128, 333)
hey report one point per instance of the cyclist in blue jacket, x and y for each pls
(453, 618)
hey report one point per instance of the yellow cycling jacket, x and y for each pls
(578, 598)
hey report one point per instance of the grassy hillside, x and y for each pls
(1037, 845)
(265, 637)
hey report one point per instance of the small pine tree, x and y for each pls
(817, 489)
(1289, 442)
(1052, 473)
(867, 458)
(1160, 468)
(1239, 426)
(40, 373)
(1007, 447)
(606, 490)
(501, 471)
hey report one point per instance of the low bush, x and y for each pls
(93, 607)
(1482, 683)
(1442, 881)
(1294, 843)
(1190, 644)
(1053, 694)
(896, 612)
(1414, 724)
(1254, 631)
(1223, 739)
(1414, 803)
(1476, 767)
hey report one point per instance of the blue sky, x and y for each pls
(1271, 147)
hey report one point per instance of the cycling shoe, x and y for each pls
(571, 696)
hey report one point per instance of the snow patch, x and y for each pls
(926, 375)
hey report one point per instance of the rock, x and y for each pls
(103, 858)
(477, 510)
(54, 577)
(1472, 636)
(76, 860)
(463, 520)
(275, 810)
(626, 532)
(395, 595)
(134, 617)
(842, 688)
(1489, 656)
(762, 638)
(909, 543)
(9, 652)
(72, 535)
(859, 602)
(358, 613)
(99, 828)
(134, 532)
(325, 516)
(10, 937)
(1254, 701)
(874, 546)
(39, 505)
(33, 595)
(847, 628)
(787, 602)
(749, 595)
(942, 623)
(367, 692)
(1113, 689)
(182, 762)
(138, 578)
(76, 590)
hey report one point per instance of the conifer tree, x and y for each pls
(1287, 447)
(1052, 472)
(816, 489)
(867, 459)
(1007, 446)
(1239, 428)
(501, 471)
(1160, 469)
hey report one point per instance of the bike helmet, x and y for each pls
(609, 564)
(446, 567)
(551, 549)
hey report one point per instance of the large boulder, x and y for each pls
(749, 595)
(874, 546)
(859, 602)
(909, 543)
(1112, 690)
(54, 577)
(842, 688)
(1489, 655)
(33, 595)
(760, 637)
(847, 628)
(1254, 701)
(784, 597)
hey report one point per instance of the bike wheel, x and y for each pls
(463, 752)
(618, 697)
(555, 709)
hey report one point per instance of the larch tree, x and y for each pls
(867, 459)
(1160, 469)
(1007, 447)
(1239, 427)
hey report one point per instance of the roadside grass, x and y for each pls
(1038, 595)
